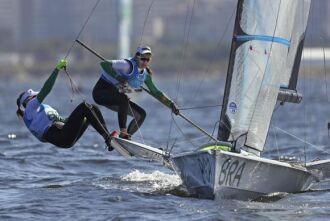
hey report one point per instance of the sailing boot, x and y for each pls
(124, 135)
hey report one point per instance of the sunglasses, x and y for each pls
(145, 59)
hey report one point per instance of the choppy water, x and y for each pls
(41, 182)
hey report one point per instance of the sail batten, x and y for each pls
(265, 55)
(263, 38)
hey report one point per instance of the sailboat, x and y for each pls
(263, 69)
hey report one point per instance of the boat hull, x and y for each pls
(219, 174)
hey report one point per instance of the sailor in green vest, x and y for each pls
(124, 76)
(47, 125)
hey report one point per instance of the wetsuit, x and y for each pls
(107, 91)
(47, 125)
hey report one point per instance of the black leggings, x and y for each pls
(108, 95)
(76, 125)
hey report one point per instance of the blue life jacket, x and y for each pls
(135, 79)
(39, 117)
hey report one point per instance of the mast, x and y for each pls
(224, 126)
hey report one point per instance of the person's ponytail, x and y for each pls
(19, 111)
(149, 70)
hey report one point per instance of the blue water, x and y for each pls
(42, 182)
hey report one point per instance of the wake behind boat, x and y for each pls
(263, 70)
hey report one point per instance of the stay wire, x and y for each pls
(214, 128)
(134, 118)
(187, 28)
(303, 140)
(188, 19)
(145, 22)
(200, 107)
(181, 131)
(140, 43)
(169, 135)
(83, 27)
(217, 49)
(307, 70)
(90, 107)
(74, 86)
(326, 80)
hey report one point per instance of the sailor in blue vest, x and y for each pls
(47, 125)
(123, 76)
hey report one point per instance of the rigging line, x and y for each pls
(326, 80)
(200, 107)
(145, 22)
(320, 148)
(82, 28)
(178, 127)
(305, 86)
(187, 28)
(185, 45)
(169, 135)
(134, 118)
(325, 74)
(216, 123)
(276, 144)
(275, 133)
(192, 139)
(217, 47)
(74, 87)
(72, 83)
(90, 107)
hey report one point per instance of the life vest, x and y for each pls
(135, 79)
(39, 117)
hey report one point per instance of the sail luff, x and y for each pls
(224, 125)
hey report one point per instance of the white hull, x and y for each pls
(219, 174)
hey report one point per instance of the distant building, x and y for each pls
(318, 27)
(170, 21)
(62, 19)
(9, 23)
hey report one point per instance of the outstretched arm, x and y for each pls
(155, 92)
(159, 95)
(48, 85)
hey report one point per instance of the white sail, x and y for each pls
(265, 48)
